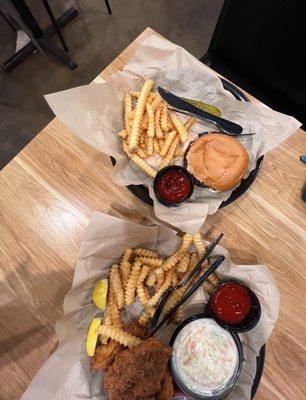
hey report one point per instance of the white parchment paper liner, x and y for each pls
(94, 114)
(67, 373)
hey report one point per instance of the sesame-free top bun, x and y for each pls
(218, 161)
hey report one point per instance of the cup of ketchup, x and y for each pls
(173, 185)
(234, 306)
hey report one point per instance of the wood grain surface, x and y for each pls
(47, 194)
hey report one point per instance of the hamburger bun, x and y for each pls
(218, 161)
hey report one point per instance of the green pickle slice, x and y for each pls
(204, 107)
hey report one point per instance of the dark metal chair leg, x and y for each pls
(29, 48)
(6, 19)
(53, 20)
(60, 55)
(108, 7)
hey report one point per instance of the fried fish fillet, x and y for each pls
(134, 328)
(105, 353)
(167, 387)
(140, 373)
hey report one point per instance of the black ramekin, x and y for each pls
(159, 176)
(250, 321)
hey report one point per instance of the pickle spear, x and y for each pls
(204, 107)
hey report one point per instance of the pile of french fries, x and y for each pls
(150, 129)
(145, 274)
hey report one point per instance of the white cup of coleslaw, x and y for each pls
(206, 359)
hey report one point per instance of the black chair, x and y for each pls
(260, 45)
(19, 16)
(109, 10)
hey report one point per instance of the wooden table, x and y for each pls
(47, 194)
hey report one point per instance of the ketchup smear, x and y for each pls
(173, 186)
(231, 303)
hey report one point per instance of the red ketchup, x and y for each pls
(173, 186)
(231, 303)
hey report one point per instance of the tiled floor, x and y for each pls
(94, 39)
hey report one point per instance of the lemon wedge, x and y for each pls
(99, 294)
(92, 336)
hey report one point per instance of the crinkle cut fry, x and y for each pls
(119, 335)
(198, 242)
(160, 277)
(170, 124)
(150, 146)
(176, 296)
(146, 315)
(139, 111)
(150, 261)
(207, 286)
(170, 262)
(108, 312)
(186, 242)
(139, 161)
(132, 115)
(127, 112)
(151, 97)
(142, 294)
(143, 165)
(151, 279)
(145, 253)
(151, 122)
(127, 254)
(213, 280)
(167, 160)
(123, 134)
(167, 143)
(188, 124)
(154, 299)
(125, 268)
(193, 260)
(132, 283)
(115, 313)
(116, 285)
(164, 118)
(143, 274)
(141, 153)
(178, 150)
(175, 280)
(179, 127)
(158, 132)
(156, 102)
(156, 145)
(183, 264)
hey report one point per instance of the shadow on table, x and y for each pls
(29, 315)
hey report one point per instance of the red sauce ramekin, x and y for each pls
(173, 185)
(251, 317)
